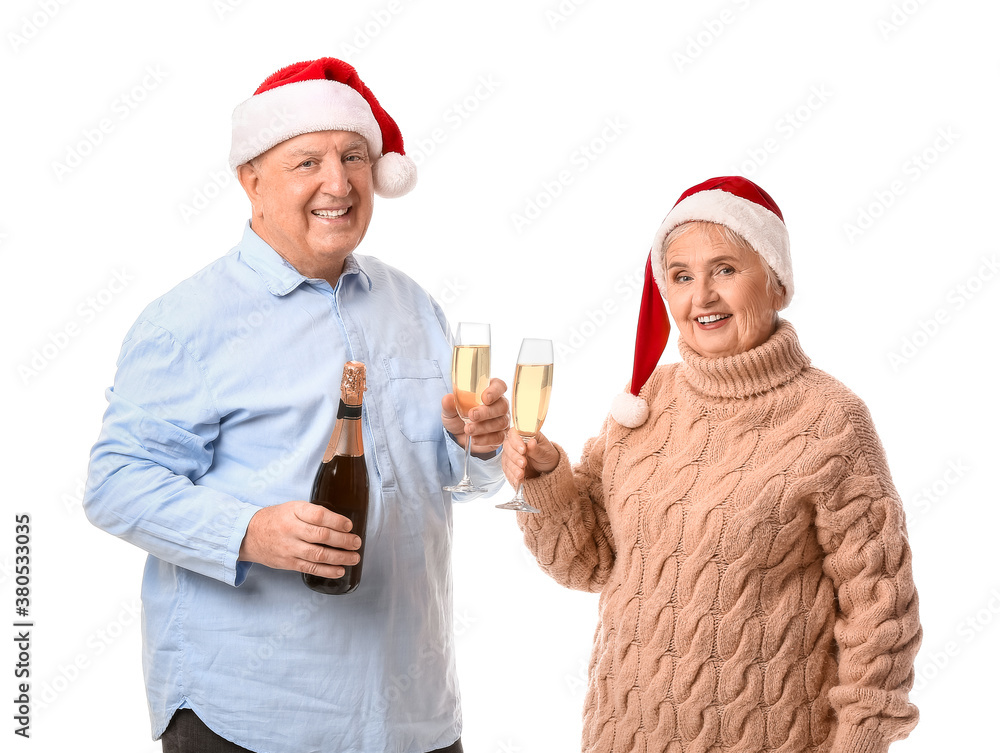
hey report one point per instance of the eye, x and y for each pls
(307, 163)
(681, 277)
(727, 271)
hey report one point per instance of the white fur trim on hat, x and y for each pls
(278, 114)
(394, 174)
(629, 410)
(761, 228)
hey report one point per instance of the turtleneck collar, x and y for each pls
(756, 371)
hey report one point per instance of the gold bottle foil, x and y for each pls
(352, 386)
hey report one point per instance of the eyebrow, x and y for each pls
(302, 151)
(713, 260)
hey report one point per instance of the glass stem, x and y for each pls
(465, 467)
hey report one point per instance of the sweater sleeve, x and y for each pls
(571, 538)
(862, 530)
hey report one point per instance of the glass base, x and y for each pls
(465, 485)
(518, 505)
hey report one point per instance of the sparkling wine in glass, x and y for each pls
(530, 404)
(470, 376)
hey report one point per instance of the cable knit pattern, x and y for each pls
(751, 555)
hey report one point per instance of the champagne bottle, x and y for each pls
(341, 483)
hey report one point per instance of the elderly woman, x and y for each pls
(736, 515)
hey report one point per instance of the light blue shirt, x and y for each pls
(225, 396)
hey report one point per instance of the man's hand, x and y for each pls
(301, 536)
(487, 422)
(529, 459)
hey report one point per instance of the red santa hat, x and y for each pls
(732, 201)
(322, 95)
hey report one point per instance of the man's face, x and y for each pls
(312, 199)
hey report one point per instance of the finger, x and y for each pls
(318, 569)
(448, 408)
(500, 424)
(512, 468)
(334, 539)
(499, 407)
(514, 441)
(321, 569)
(487, 442)
(494, 391)
(324, 555)
(317, 515)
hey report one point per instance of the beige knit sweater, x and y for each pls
(751, 555)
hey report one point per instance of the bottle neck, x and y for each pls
(346, 440)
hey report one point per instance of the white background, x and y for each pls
(881, 116)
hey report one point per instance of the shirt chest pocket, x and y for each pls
(417, 386)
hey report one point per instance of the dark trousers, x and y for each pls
(186, 733)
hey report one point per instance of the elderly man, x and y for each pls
(223, 402)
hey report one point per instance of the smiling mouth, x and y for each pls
(712, 318)
(331, 213)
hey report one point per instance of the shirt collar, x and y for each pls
(280, 277)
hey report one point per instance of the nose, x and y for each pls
(335, 179)
(705, 293)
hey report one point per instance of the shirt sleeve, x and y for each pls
(877, 626)
(571, 537)
(155, 443)
(486, 473)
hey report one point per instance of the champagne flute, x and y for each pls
(470, 376)
(532, 390)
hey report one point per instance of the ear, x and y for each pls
(778, 298)
(249, 178)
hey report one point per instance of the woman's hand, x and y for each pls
(521, 460)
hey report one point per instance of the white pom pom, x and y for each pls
(394, 175)
(628, 410)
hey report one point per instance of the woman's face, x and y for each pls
(717, 293)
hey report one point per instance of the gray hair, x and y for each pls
(729, 236)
